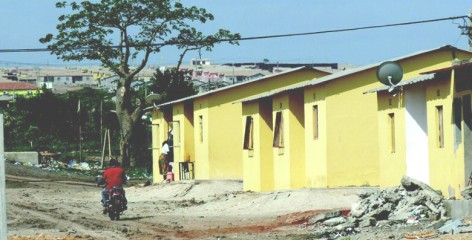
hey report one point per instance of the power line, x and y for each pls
(21, 50)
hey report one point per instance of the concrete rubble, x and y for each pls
(412, 203)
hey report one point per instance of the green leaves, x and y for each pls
(116, 31)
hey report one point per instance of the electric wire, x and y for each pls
(22, 50)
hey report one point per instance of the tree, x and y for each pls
(50, 122)
(115, 32)
(170, 84)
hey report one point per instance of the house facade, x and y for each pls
(426, 128)
(209, 128)
(18, 89)
(328, 133)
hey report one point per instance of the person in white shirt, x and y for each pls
(163, 160)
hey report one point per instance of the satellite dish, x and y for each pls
(151, 98)
(390, 73)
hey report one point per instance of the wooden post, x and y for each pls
(109, 144)
(3, 200)
(104, 146)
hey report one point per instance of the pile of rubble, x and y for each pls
(407, 204)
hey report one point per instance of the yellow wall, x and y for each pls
(159, 134)
(220, 156)
(183, 134)
(289, 160)
(445, 164)
(258, 163)
(281, 155)
(315, 150)
(23, 93)
(202, 163)
(392, 164)
(352, 131)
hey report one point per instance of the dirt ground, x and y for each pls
(45, 205)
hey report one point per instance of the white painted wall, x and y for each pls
(417, 163)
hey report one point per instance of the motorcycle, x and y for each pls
(115, 203)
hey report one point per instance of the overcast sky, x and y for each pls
(23, 22)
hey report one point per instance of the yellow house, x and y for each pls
(19, 88)
(426, 128)
(207, 129)
(325, 132)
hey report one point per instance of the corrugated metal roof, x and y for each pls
(337, 75)
(234, 85)
(410, 81)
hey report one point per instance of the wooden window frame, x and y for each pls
(316, 131)
(200, 122)
(249, 134)
(391, 127)
(440, 125)
(278, 131)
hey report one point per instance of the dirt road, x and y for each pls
(43, 205)
(70, 209)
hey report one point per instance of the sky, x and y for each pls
(23, 22)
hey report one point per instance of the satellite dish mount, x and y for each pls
(390, 74)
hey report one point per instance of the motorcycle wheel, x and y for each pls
(113, 214)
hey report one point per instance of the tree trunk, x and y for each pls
(126, 141)
(127, 118)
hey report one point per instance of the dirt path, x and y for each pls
(197, 210)
(43, 206)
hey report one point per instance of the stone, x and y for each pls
(334, 221)
(467, 193)
(450, 226)
(437, 224)
(358, 209)
(367, 222)
(347, 225)
(392, 197)
(323, 216)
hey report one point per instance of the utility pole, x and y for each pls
(467, 30)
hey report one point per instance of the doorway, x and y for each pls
(417, 162)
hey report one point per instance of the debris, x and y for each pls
(450, 227)
(324, 216)
(411, 203)
(467, 193)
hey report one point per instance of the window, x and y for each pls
(200, 124)
(249, 134)
(440, 126)
(391, 127)
(315, 122)
(278, 131)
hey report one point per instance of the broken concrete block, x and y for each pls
(411, 184)
(467, 193)
(324, 216)
(450, 226)
(334, 221)
(458, 209)
(392, 197)
(347, 225)
(358, 209)
(367, 222)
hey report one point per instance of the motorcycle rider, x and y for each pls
(114, 176)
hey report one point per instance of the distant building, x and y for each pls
(18, 89)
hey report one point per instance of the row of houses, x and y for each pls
(307, 128)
